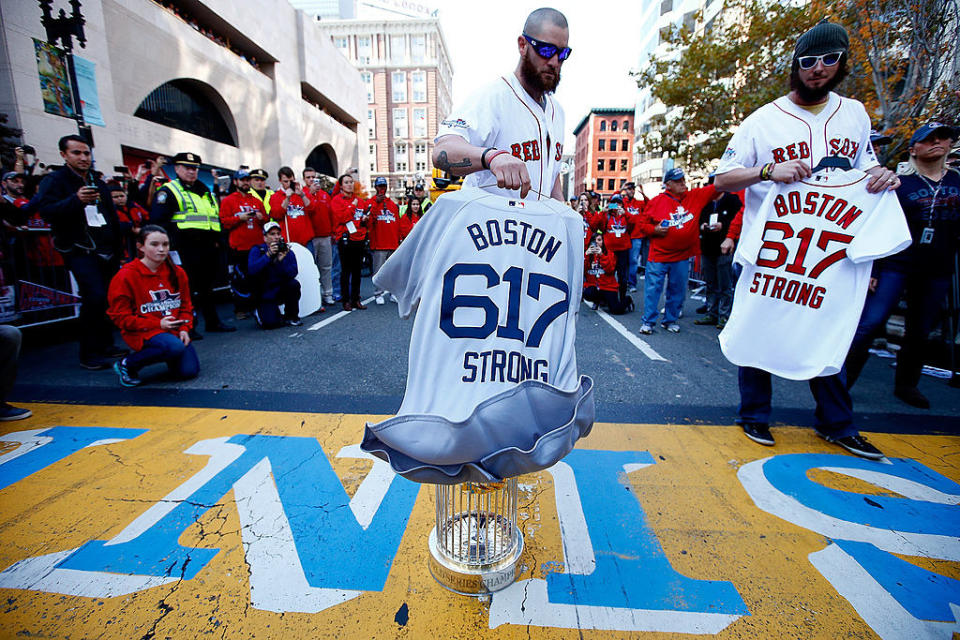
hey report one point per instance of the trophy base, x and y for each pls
(473, 579)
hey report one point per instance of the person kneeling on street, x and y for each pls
(149, 301)
(273, 268)
(600, 286)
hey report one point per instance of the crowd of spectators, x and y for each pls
(191, 20)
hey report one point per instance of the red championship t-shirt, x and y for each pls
(347, 209)
(293, 220)
(683, 217)
(384, 225)
(599, 270)
(244, 234)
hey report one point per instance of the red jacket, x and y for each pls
(244, 234)
(319, 212)
(133, 214)
(293, 220)
(384, 225)
(406, 224)
(345, 210)
(683, 239)
(600, 271)
(139, 298)
(616, 227)
(634, 208)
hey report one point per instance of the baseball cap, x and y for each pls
(824, 37)
(418, 186)
(258, 173)
(929, 129)
(270, 225)
(241, 174)
(673, 174)
(187, 159)
(616, 198)
(380, 181)
(12, 174)
(878, 138)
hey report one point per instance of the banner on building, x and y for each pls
(86, 74)
(54, 79)
(33, 297)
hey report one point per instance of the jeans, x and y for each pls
(286, 293)
(379, 257)
(675, 274)
(93, 275)
(334, 267)
(925, 295)
(636, 245)
(834, 412)
(10, 339)
(181, 360)
(718, 275)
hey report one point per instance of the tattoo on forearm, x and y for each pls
(445, 165)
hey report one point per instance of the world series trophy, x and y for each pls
(475, 546)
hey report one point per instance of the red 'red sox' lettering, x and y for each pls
(526, 151)
(559, 155)
(794, 151)
(843, 147)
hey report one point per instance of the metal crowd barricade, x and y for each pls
(35, 286)
(476, 545)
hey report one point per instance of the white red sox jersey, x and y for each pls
(503, 115)
(780, 131)
(492, 383)
(807, 262)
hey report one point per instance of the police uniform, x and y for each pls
(265, 195)
(190, 214)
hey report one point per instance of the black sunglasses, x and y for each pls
(828, 59)
(547, 50)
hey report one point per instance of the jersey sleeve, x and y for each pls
(866, 158)
(741, 152)
(883, 233)
(473, 120)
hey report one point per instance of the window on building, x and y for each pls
(603, 125)
(625, 145)
(600, 164)
(611, 184)
(626, 125)
(420, 157)
(371, 123)
(398, 80)
(666, 6)
(398, 49)
(400, 123)
(419, 81)
(418, 46)
(613, 144)
(342, 44)
(601, 145)
(623, 164)
(613, 125)
(420, 122)
(367, 78)
(623, 181)
(364, 49)
(400, 156)
(191, 106)
(373, 158)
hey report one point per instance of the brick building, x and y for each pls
(603, 160)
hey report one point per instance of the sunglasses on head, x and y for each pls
(828, 60)
(547, 50)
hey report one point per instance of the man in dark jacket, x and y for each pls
(85, 230)
(273, 269)
(717, 268)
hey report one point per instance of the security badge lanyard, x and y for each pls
(926, 236)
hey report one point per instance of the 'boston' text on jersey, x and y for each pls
(513, 232)
(817, 204)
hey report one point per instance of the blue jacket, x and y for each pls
(267, 272)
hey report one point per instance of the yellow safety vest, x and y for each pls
(265, 199)
(194, 211)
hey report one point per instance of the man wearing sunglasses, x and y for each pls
(781, 142)
(510, 134)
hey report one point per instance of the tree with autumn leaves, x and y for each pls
(903, 65)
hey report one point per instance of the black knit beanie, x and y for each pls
(824, 37)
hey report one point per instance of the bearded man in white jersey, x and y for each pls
(781, 142)
(509, 135)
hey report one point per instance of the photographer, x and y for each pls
(384, 230)
(132, 218)
(151, 177)
(273, 268)
(289, 205)
(600, 286)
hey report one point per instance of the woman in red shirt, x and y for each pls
(410, 217)
(350, 216)
(150, 302)
(600, 284)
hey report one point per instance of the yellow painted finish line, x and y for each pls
(120, 522)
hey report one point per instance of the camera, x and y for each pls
(28, 150)
(282, 246)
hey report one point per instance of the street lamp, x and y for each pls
(64, 29)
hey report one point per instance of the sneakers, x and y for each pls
(95, 364)
(707, 319)
(672, 327)
(857, 445)
(380, 299)
(758, 432)
(593, 305)
(631, 290)
(646, 329)
(912, 396)
(9, 413)
(328, 301)
(393, 299)
(722, 322)
(127, 379)
(293, 322)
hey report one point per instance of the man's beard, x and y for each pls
(813, 95)
(534, 78)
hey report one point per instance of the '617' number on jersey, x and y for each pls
(781, 253)
(450, 301)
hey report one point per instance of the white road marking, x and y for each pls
(644, 348)
(337, 316)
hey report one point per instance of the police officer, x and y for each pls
(258, 187)
(187, 209)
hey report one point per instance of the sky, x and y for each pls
(483, 45)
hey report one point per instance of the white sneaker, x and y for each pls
(393, 299)
(673, 327)
(380, 299)
(329, 301)
(646, 329)
(593, 305)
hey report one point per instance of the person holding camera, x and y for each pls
(350, 217)
(600, 285)
(322, 219)
(384, 230)
(273, 269)
(289, 205)
(132, 218)
(86, 232)
(150, 304)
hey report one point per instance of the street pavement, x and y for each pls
(238, 505)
